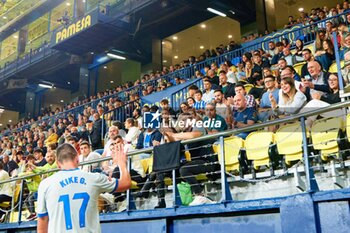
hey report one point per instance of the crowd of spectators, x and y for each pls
(276, 90)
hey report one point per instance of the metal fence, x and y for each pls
(221, 182)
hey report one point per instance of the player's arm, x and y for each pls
(124, 182)
(43, 224)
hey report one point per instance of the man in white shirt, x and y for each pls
(86, 155)
(208, 93)
(70, 196)
(287, 55)
(112, 133)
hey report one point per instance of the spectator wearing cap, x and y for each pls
(39, 157)
(85, 155)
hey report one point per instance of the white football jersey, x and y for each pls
(70, 199)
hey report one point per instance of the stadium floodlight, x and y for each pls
(45, 85)
(216, 12)
(115, 56)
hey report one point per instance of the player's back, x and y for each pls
(70, 197)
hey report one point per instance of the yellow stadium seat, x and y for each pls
(348, 126)
(298, 67)
(134, 185)
(259, 152)
(334, 68)
(188, 155)
(145, 164)
(311, 47)
(232, 148)
(248, 87)
(324, 134)
(15, 199)
(289, 139)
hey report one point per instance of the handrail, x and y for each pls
(210, 136)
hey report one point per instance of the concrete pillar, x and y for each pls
(156, 53)
(265, 15)
(22, 40)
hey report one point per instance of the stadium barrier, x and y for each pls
(326, 138)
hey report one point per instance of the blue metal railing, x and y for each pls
(181, 95)
(226, 196)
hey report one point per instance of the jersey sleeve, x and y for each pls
(41, 209)
(105, 184)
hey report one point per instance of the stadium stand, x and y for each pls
(291, 131)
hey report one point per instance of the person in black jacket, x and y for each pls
(95, 132)
(227, 88)
(9, 165)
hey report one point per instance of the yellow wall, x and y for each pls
(284, 8)
(6, 116)
(119, 72)
(9, 46)
(54, 96)
(188, 42)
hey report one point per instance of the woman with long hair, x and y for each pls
(299, 46)
(326, 56)
(324, 100)
(290, 100)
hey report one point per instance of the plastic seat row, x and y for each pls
(326, 137)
